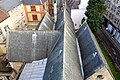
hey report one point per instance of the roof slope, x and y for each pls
(54, 66)
(46, 23)
(3, 14)
(30, 45)
(34, 70)
(71, 63)
(29, 2)
(73, 4)
(63, 61)
(90, 52)
(59, 25)
(9, 4)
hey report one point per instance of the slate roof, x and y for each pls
(59, 25)
(30, 45)
(55, 61)
(73, 4)
(3, 14)
(46, 23)
(92, 57)
(9, 4)
(29, 2)
(63, 61)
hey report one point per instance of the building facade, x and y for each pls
(36, 9)
(12, 16)
(17, 16)
(16, 12)
(112, 18)
(3, 19)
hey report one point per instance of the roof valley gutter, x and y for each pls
(80, 59)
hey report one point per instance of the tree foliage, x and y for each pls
(94, 13)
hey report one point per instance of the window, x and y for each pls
(114, 9)
(115, 20)
(6, 28)
(43, 6)
(108, 4)
(118, 22)
(22, 14)
(112, 16)
(54, 1)
(106, 13)
(117, 1)
(34, 17)
(33, 8)
(75, 24)
(0, 31)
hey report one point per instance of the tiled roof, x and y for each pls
(9, 4)
(33, 1)
(3, 14)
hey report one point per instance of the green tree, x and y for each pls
(94, 13)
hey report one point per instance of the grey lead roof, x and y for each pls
(29, 2)
(9, 4)
(34, 70)
(46, 23)
(30, 45)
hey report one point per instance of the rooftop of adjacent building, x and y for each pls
(34, 70)
(3, 14)
(29, 2)
(9, 4)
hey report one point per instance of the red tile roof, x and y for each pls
(3, 14)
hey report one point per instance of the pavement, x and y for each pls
(111, 45)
